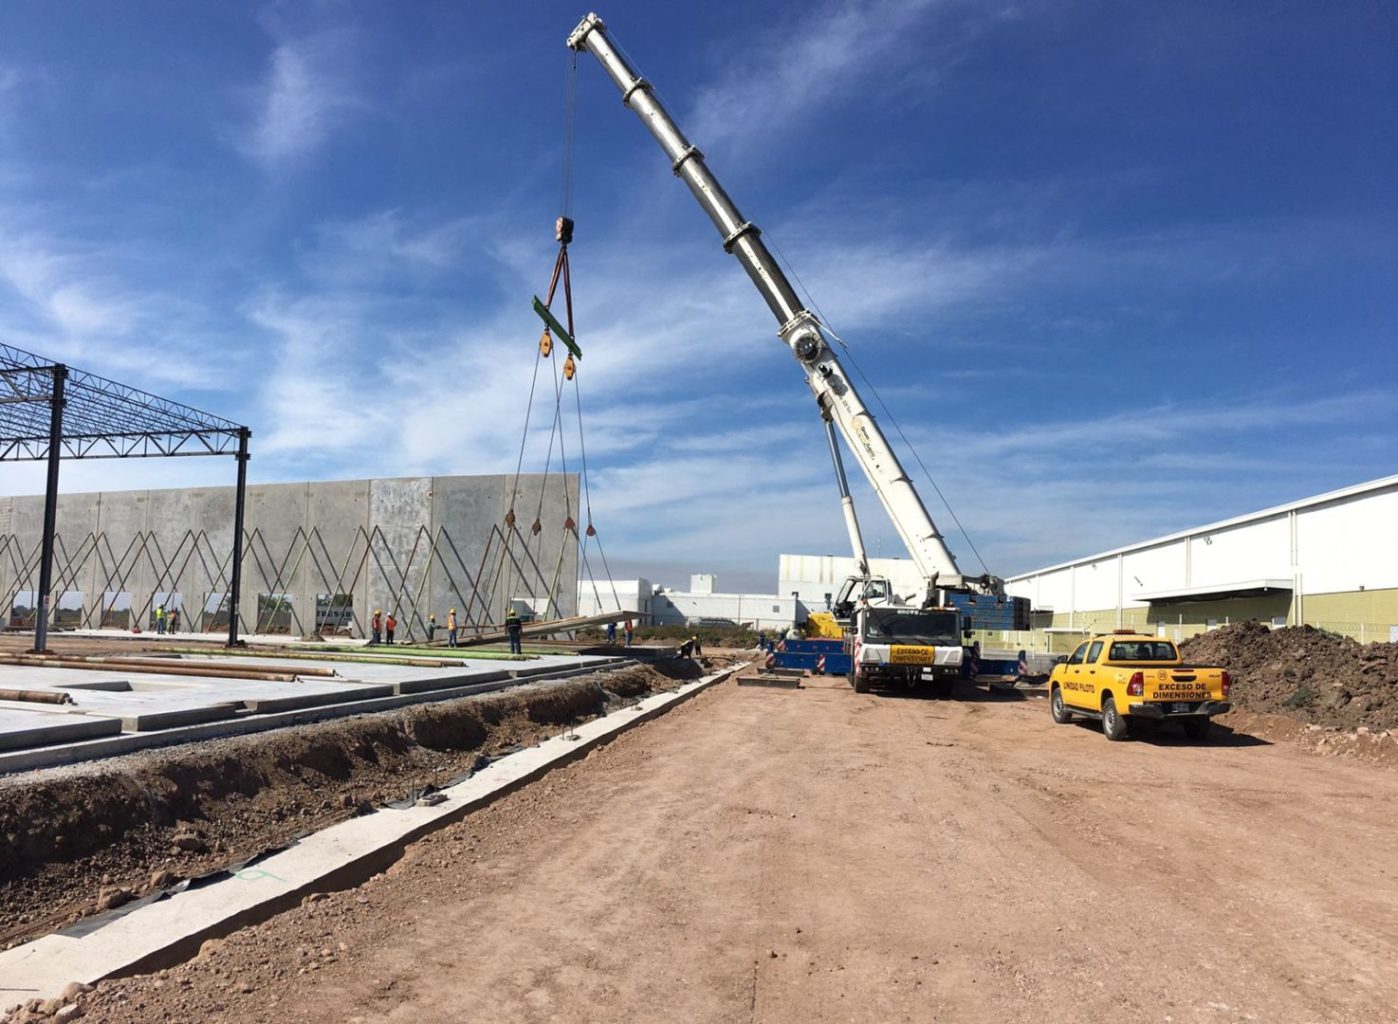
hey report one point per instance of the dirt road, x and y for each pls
(783, 856)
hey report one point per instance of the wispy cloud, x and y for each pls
(306, 92)
(829, 52)
(70, 300)
(386, 243)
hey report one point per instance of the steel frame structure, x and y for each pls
(50, 411)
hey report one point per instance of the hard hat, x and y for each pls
(378, 611)
(453, 611)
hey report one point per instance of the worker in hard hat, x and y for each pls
(431, 626)
(389, 625)
(451, 628)
(514, 626)
(698, 645)
(376, 627)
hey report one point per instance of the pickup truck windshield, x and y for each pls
(1142, 650)
(933, 629)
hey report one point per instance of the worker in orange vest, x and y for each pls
(390, 624)
(451, 628)
(375, 626)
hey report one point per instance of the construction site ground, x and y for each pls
(817, 855)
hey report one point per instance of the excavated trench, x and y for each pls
(89, 838)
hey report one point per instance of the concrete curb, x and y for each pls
(169, 931)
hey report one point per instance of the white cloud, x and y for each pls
(75, 303)
(383, 244)
(306, 92)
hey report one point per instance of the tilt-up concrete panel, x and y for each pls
(276, 518)
(338, 523)
(401, 513)
(539, 564)
(190, 535)
(467, 515)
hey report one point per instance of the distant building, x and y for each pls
(698, 606)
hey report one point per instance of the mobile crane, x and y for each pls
(892, 637)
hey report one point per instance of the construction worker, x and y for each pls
(390, 624)
(686, 649)
(375, 627)
(629, 632)
(513, 627)
(160, 619)
(451, 628)
(431, 626)
(174, 620)
(611, 634)
(698, 646)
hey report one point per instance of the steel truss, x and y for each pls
(50, 411)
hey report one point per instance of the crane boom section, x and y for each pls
(797, 326)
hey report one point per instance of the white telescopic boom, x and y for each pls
(798, 327)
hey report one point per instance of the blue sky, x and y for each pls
(1056, 236)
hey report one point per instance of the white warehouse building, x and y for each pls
(700, 605)
(1330, 561)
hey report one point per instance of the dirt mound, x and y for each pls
(73, 840)
(1304, 673)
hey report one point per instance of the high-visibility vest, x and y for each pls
(451, 621)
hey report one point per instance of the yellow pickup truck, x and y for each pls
(1126, 678)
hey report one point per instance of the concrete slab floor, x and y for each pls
(106, 701)
(23, 726)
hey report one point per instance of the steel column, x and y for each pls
(41, 615)
(236, 583)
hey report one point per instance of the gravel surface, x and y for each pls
(806, 856)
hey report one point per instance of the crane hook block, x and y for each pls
(545, 343)
(569, 367)
(563, 230)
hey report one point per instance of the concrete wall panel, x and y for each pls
(307, 539)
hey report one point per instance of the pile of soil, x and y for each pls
(1304, 673)
(92, 837)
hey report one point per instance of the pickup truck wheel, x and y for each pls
(1113, 724)
(1058, 709)
(1196, 728)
